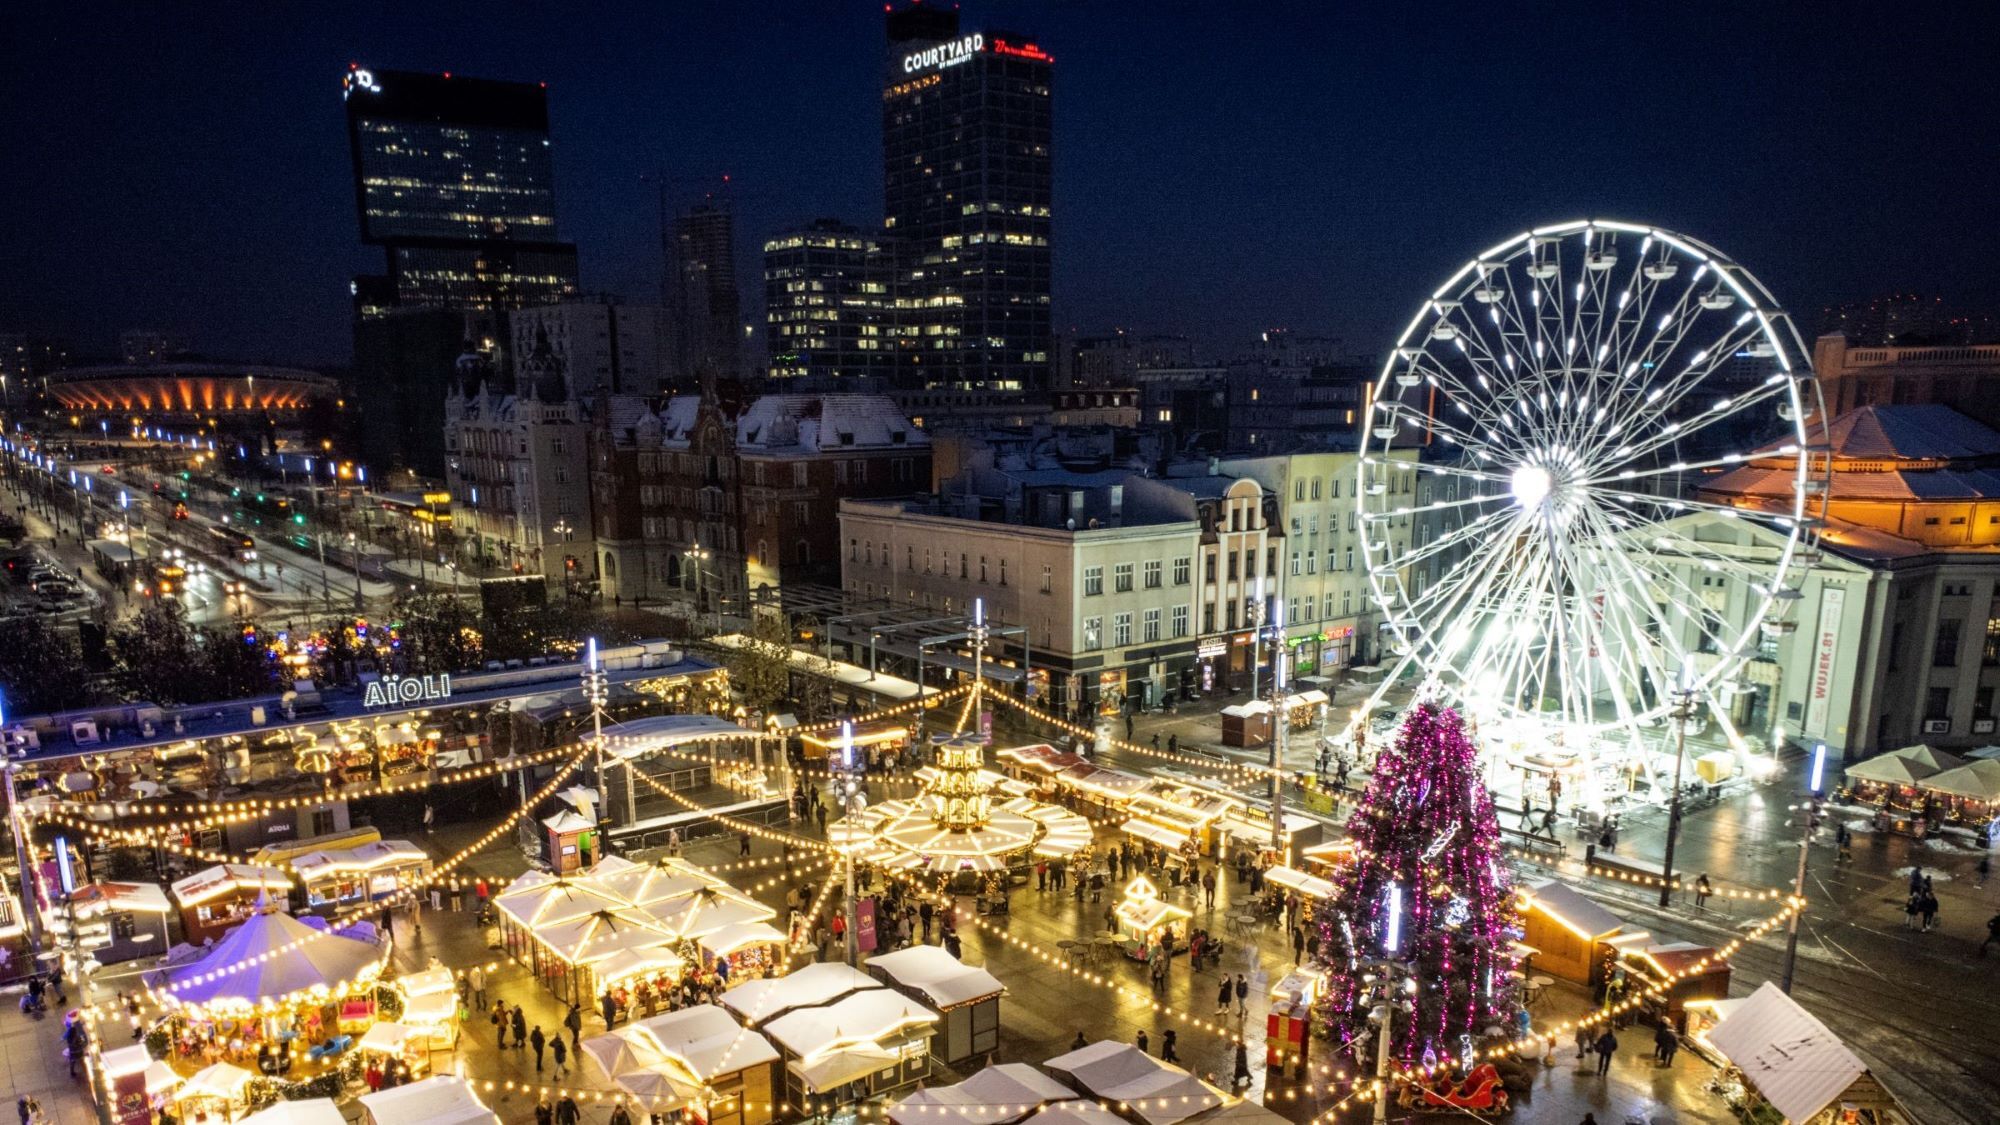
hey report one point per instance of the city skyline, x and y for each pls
(1780, 155)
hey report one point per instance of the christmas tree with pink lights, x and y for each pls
(1426, 889)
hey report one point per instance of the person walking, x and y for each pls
(1984, 869)
(608, 1007)
(520, 1023)
(499, 1020)
(566, 1111)
(559, 1051)
(1916, 879)
(1223, 994)
(1911, 906)
(477, 979)
(1701, 891)
(1208, 887)
(1298, 944)
(1042, 876)
(540, 1043)
(1079, 1043)
(1664, 1043)
(1167, 1054)
(1844, 841)
(1241, 1075)
(573, 1023)
(1928, 907)
(544, 1113)
(1143, 1042)
(742, 845)
(619, 1116)
(1607, 1045)
(1242, 996)
(1582, 1040)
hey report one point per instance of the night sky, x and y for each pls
(1220, 167)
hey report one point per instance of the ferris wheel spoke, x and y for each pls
(1482, 526)
(1655, 625)
(1730, 408)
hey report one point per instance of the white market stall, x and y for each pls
(696, 1056)
(994, 1096)
(1159, 1093)
(430, 1007)
(758, 1001)
(1789, 1058)
(870, 1043)
(309, 1111)
(968, 997)
(442, 1099)
(338, 877)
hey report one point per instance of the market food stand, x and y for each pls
(1889, 783)
(386, 1042)
(1574, 936)
(430, 1007)
(1968, 795)
(218, 899)
(968, 997)
(1144, 918)
(342, 877)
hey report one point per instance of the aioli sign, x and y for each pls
(392, 690)
(944, 54)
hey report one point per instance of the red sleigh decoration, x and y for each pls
(1480, 1093)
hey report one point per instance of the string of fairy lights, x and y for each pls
(1363, 1088)
(250, 808)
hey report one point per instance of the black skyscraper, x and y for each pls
(453, 179)
(967, 178)
(704, 305)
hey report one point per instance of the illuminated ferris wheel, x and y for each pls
(1530, 495)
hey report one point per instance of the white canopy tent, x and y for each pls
(311, 1111)
(1159, 1093)
(861, 1018)
(1079, 1112)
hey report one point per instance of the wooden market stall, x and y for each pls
(216, 900)
(341, 877)
(968, 997)
(1246, 724)
(430, 1007)
(1573, 935)
(1685, 971)
(1144, 918)
(1785, 1057)
(134, 916)
(874, 740)
(387, 1043)
(218, 1090)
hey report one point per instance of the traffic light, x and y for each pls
(299, 519)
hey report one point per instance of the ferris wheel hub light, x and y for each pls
(1530, 485)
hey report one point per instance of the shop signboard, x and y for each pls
(864, 925)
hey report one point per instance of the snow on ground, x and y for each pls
(1933, 874)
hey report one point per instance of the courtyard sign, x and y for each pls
(392, 690)
(944, 54)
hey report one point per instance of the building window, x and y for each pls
(799, 475)
(1250, 563)
(961, 565)
(1232, 617)
(1208, 618)
(1312, 563)
(1991, 656)
(1937, 703)
(909, 556)
(1121, 629)
(1093, 580)
(1328, 611)
(1003, 570)
(1982, 703)
(982, 568)
(1179, 620)
(1315, 488)
(1944, 647)
(1296, 571)
(1048, 579)
(1093, 633)
(1182, 567)
(853, 550)
(1152, 574)
(1121, 577)
(1234, 566)
(1149, 625)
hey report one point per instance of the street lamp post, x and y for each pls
(1683, 697)
(1280, 736)
(1256, 637)
(1811, 811)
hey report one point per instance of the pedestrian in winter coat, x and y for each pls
(573, 1022)
(566, 1111)
(1298, 944)
(1582, 1040)
(1226, 991)
(539, 1042)
(1929, 909)
(619, 1116)
(1607, 1045)
(1242, 995)
(608, 1005)
(544, 1115)
(1167, 1054)
(1911, 907)
(1241, 1076)
(1916, 879)
(500, 1024)
(1078, 1043)
(1143, 1041)
(560, 1050)
(520, 1022)
(1665, 1044)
